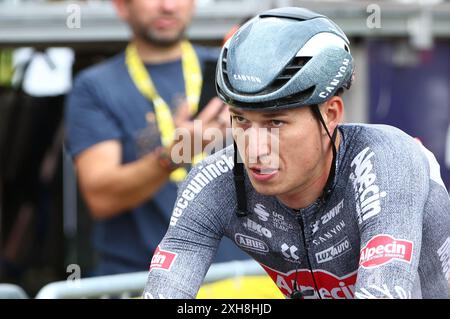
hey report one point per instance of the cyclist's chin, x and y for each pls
(268, 188)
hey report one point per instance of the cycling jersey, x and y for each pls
(384, 231)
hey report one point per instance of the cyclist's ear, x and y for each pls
(333, 112)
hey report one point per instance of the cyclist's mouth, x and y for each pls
(262, 173)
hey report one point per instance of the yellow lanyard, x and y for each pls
(193, 85)
(6, 67)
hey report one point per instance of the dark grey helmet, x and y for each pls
(284, 58)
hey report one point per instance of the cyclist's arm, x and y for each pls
(391, 221)
(183, 257)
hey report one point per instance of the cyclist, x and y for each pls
(329, 210)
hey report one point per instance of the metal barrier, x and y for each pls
(132, 285)
(9, 291)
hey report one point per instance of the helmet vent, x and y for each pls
(224, 61)
(289, 71)
(225, 71)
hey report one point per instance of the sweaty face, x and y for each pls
(160, 22)
(283, 152)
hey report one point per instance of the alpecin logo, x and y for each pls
(329, 285)
(162, 259)
(383, 249)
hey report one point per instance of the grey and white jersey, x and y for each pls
(384, 232)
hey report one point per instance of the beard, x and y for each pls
(158, 39)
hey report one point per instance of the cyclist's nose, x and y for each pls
(258, 144)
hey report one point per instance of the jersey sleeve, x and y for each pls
(87, 120)
(391, 185)
(181, 260)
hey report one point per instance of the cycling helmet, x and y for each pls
(284, 58)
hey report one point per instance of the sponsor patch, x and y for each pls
(329, 286)
(324, 237)
(290, 252)
(261, 212)
(334, 251)
(257, 228)
(327, 217)
(332, 213)
(162, 259)
(251, 243)
(367, 193)
(279, 222)
(382, 249)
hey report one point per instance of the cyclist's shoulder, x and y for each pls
(387, 142)
(373, 133)
(384, 151)
(213, 173)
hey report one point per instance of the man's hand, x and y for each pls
(196, 134)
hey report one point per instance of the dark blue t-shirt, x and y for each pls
(105, 105)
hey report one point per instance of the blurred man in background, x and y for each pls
(121, 117)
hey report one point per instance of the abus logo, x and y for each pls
(382, 249)
(334, 251)
(261, 212)
(247, 78)
(162, 259)
(257, 228)
(251, 243)
(329, 285)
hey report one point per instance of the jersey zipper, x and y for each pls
(305, 246)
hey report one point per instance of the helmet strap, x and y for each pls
(239, 183)
(329, 185)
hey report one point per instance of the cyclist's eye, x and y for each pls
(239, 119)
(276, 123)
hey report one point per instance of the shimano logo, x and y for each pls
(247, 78)
(336, 80)
(261, 212)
